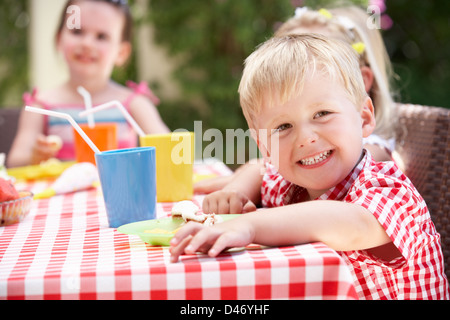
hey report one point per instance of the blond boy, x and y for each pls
(304, 98)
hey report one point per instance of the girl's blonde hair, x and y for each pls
(350, 25)
(277, 70)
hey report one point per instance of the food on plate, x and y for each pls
(7, 191)
(185, 207)
(55, 142)
(189, 211)
(50, 162)
(212, 219)
(159, 230)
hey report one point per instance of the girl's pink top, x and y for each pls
(127, 137)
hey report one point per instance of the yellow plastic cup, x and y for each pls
(174, 164)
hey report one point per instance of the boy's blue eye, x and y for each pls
(282, 127)
(321, 114)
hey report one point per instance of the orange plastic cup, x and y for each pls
(103, 135)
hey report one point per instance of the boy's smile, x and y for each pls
(315, 138)
(316, 160)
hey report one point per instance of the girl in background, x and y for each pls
(102, 42)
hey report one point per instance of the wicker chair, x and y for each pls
(423, 143)
(9, 118)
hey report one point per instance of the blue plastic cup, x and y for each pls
(128, 180)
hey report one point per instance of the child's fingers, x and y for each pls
(224, 241)
(206, 206)
(223, 206)
(249, 207)
(220, 245)
(178, 249)
(238, 204)
(182, 239)
(203, 240)
(41, 139)
(190, 228)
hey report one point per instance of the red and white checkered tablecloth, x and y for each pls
(64, 249)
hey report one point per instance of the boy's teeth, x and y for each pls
(316, 159)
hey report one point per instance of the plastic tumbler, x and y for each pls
(103, 135)
(174, 164)
(128, 181)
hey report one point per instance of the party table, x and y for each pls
(64, 249)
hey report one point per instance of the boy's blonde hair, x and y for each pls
(276, 71)
(349, 24)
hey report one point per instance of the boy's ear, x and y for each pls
(124, 53)
(368, 117)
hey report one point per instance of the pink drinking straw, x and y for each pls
(68, 118)
(122, 109)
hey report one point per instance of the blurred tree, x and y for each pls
(14, 21)
(214, 38)
(419, 46)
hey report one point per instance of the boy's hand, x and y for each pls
(227, 202)
(195, 237)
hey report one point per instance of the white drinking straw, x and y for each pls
(68, 118)
(122, 109)
(88, 104)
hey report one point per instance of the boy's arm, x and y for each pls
(342, 226)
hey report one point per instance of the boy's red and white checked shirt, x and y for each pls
(385, 191)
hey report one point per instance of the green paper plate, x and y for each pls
(166, 225)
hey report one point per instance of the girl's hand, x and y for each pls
(43, 149)
(195, 237)
(226, 202)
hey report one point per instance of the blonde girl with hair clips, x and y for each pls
(349, 25)
(304, 98)
(91, 50)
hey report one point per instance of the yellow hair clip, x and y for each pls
(359, 47)
(325, 13)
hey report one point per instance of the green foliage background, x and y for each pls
(14, 21)
(419, 47)
(215, 36)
